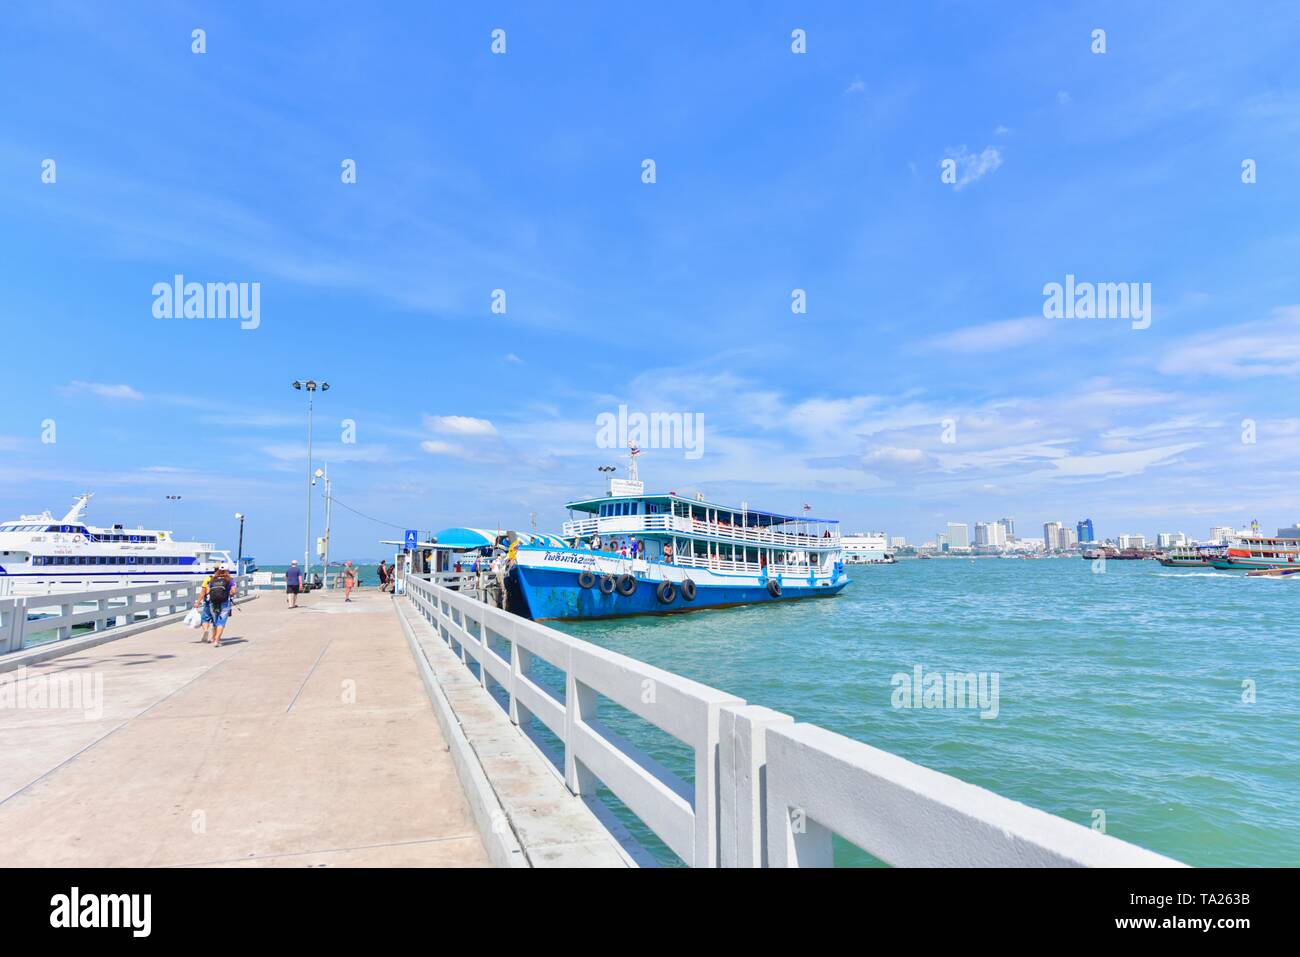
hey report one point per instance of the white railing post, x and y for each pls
(521, 663)
(742, 811)
(579, 708)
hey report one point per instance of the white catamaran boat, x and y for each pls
(636, 554)
(40, 554)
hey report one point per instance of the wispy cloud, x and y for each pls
(973, 167)
(460, 425)
(103, 390)
(991, 336)
(1268, 347)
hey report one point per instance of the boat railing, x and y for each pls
(37, 619)
(745, 535)
(767, 791)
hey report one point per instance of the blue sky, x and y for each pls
(774, 172)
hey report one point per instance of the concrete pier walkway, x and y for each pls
(306, 739)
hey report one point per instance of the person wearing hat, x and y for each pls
(349, 581)
(292, 583)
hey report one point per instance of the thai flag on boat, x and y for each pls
(633, 449)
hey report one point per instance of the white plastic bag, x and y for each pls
(193, 618)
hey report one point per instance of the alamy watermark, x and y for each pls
(179, 299)
(1101, 300)
(655, 430)
(947, 689)
(23, 691)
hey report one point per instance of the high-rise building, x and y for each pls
(1220, 534)
(1066, 539)
(982, 534)
(1133, 541)
(1171, 540)
(1051, 536)
(958, 535)
(898, 541)
(1009, 527)
(1085, 532)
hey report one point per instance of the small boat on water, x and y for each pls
(1272, 572)
(633, 553)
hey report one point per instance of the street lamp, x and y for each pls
(329, 496)
(309, 386)
(239, 562)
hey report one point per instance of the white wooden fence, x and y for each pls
(767, 791)
(58, 615)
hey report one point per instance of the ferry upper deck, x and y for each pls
(669, 514)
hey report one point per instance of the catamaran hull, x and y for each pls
(551, 592)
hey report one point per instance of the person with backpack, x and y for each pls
(217, 596)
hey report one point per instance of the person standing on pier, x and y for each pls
(349, 581)
(292, 583)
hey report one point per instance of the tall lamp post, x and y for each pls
(324, 474)
(309, 386)
(239, 561)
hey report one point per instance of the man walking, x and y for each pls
(292, 583)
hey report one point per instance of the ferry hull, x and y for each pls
(556, 592)
(1246, 564)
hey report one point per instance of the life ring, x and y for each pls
(774, 588)
(688, 589)
(626, 585)
(666, 592)
(607, 585)
(586, 578)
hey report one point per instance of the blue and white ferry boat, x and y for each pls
(633, 553)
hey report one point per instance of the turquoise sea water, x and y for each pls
(1119, 692)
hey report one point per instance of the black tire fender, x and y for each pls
(627, 585)
(688, 589)
(666, 593)
(586, 578)
(774, 588)
(607, 585)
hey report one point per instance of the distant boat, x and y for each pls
(1190, 556)
(867, 548)
(1272, 572)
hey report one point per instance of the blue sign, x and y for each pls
(411, 539)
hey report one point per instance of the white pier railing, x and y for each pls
(37, 619)
(767, 791)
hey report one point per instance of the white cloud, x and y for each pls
(972, 167)
(857, 86)
(104, 390)
(1266, 347)
(991, 336)
(1117, 464)
(460, 425)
